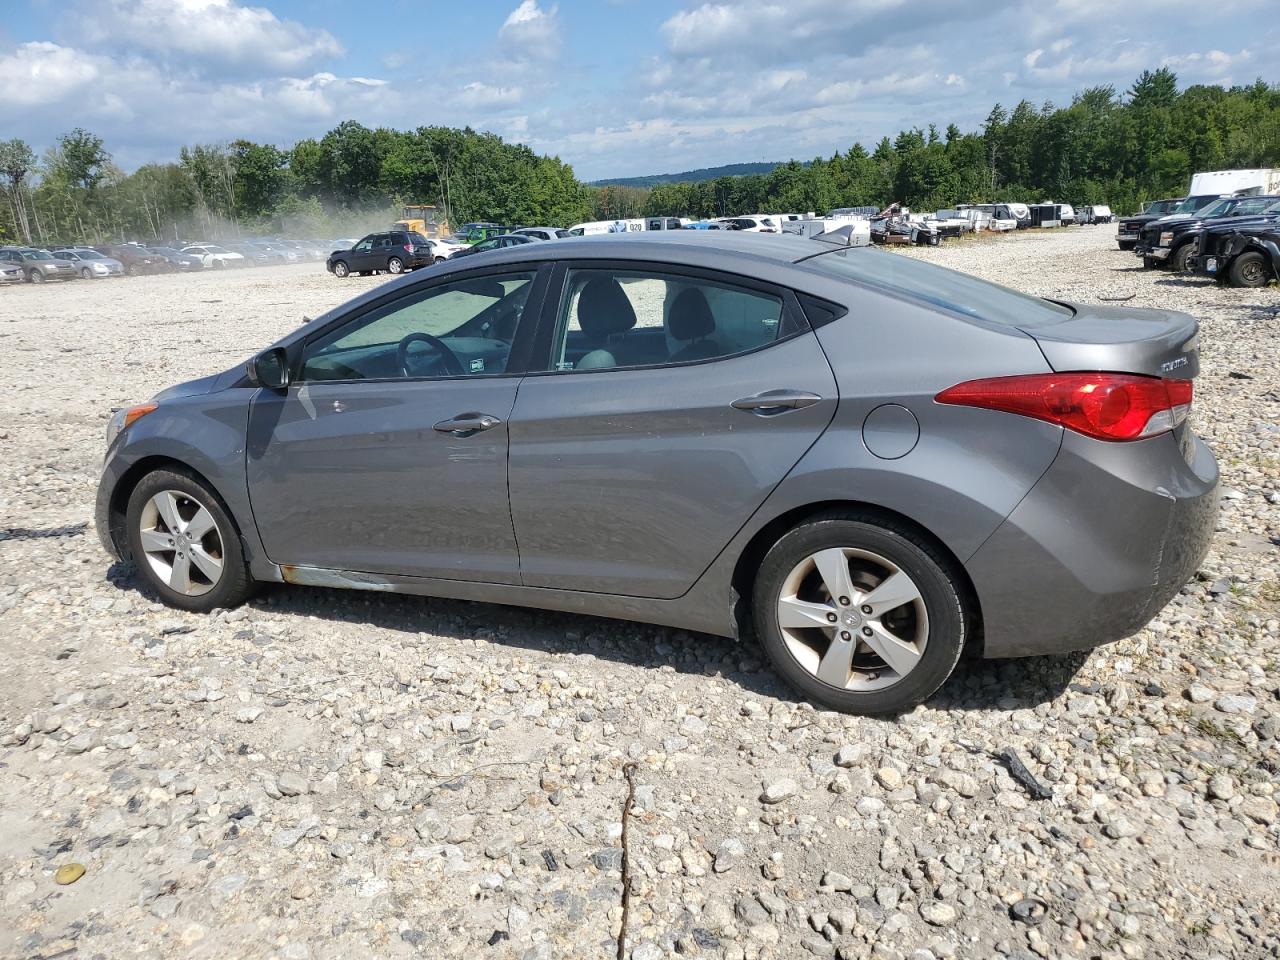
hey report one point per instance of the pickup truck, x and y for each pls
(1214, 239)
(1130, 229)
(1250, 257)
(1169, 241)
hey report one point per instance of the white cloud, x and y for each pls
(194, 34)
(530, 35)
(41, 72)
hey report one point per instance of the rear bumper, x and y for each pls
(1103, 541)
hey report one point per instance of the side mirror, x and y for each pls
(270, 369)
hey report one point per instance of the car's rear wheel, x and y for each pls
(341, 270)
(395, 265)
(1126, 244)
(1249, 270)
(184, 543)
(859, 614)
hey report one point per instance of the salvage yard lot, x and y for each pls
(326, 774)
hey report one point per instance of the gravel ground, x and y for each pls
(326, 774)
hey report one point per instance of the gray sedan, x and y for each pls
(863, 461)
(91, 264)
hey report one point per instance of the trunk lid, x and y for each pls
(1159, 343)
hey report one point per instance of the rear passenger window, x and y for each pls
(612, 319)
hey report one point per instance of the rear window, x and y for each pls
(896, 274)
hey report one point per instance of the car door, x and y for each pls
(671, 404)
(388, 452)
(361, 256)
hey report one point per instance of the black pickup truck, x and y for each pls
(1130, 229)
(1171, 240)
(1240, 254)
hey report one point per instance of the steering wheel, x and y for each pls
(447, 358)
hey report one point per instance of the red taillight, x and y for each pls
(1106, 406)
(408, 248)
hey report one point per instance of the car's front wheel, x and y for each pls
(35, 276)
(859, 613)
(340, 270)
(1249, 270)
(1178, 260)
(184, 543)
(86, 273)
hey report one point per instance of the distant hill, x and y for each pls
(691, 176)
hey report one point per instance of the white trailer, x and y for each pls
(1226, 183)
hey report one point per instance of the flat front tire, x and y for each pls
(184, 543)
(860, 614)
(1249, 270)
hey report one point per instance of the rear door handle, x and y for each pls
(467, 424)
(770, 403)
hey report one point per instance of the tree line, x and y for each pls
(1105, 147)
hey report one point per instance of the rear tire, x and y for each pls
(192, 499)
(1249, 270)
(931, 626)
(1127, 245)
(395, 265)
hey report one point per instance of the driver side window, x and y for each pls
(464, 328)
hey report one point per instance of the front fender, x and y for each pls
(205, 433)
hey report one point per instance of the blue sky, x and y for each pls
(614, 87)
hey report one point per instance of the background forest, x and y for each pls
(1105, 147)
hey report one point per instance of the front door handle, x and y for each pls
(770, 403)
(467, 424)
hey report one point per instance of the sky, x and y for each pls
(614, 87)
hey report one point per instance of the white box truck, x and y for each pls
(1226, 183)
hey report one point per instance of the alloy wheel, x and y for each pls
(853, 619)
(395, 265)
(181, 542)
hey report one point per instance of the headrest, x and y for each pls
(690, 316)
(603, 309)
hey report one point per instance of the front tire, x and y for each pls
(395, 265)
(1178, 259)
(341, 270)
(860, 614)
(184, 543)
(86, 273)
(35, 276)
(1249, 270)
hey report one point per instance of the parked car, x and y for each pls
(860, 457)
(181, 262)
(1130, 230)
(11, 272)
(1248, 256)
(752, 224)
(1097, 213)
(39, 265)
(1169, 241)
(444, 249)
(137, 259)
(214, 256)
(503, 242)
(542, 233)
(90, 264)
(1214, 237)
(394, 251)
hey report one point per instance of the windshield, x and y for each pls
(37, 255)
(1216, 209)
(89, 255)
(216, 250)
(896, 274)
